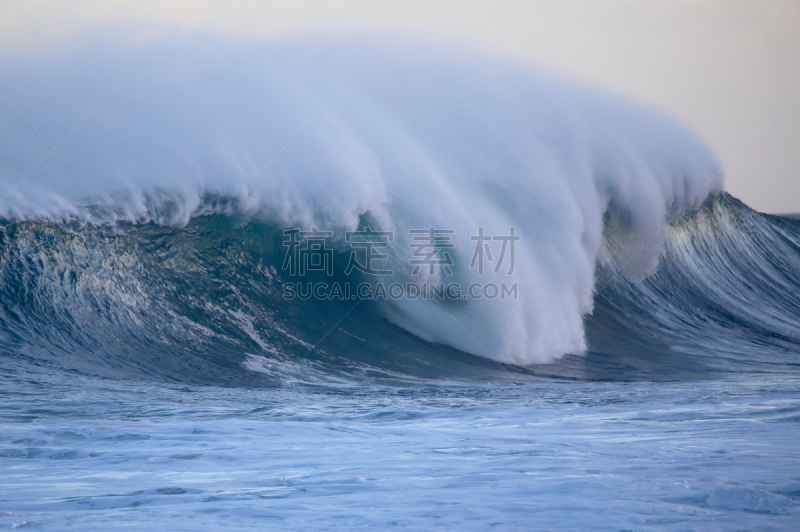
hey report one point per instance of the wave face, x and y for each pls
(149, 230)
(196, 303)
(723, 295)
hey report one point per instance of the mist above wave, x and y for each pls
(302, 134)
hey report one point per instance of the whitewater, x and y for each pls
(643, 375)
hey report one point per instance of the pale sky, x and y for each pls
(730, 69)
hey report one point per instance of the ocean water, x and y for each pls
(156, 370)
(98, 455)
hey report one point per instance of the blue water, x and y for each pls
(154, 377)
(97, 454)
(683, 415)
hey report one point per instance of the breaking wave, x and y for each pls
(149, 237)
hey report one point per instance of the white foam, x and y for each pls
(415, 139)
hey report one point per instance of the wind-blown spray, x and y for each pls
(298, 135)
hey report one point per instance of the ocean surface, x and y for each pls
(157, 372)
(683, 414)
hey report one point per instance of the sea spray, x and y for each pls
(302, 134)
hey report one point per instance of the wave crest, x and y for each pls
(297, 136)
